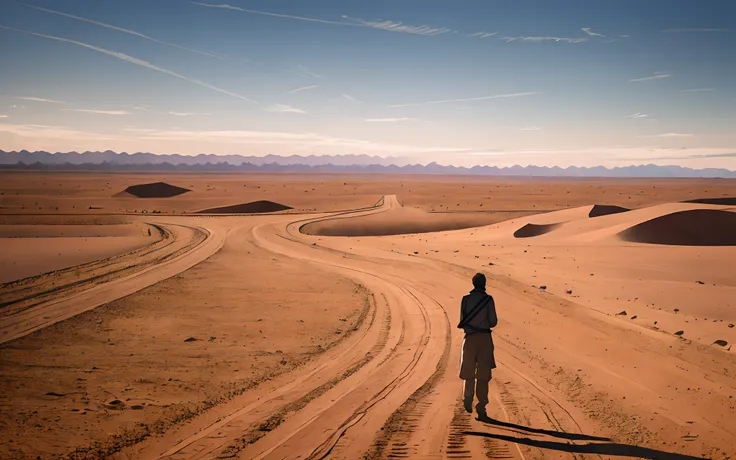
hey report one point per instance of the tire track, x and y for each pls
(65, 303)
(228, 437)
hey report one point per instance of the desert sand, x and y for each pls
(328, 330)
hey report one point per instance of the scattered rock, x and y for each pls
(137, 407)
(490, 263)
(700, 282)
(212, 339)
(730, 325)
(190, 339)
(621, 313)
(678, 333)
(721, 343)
(569, 291)
(543, 287)
(115, 404)
(58, 395)
(634, 317)
(416, 252)
(677, 310)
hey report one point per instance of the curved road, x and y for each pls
(390, 390)
(190, 245)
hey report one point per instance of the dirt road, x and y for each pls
(35, 303)
(572, 382)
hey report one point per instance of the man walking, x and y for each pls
(477, 317)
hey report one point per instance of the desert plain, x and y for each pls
(214, 315)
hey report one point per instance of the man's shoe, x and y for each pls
(481, 411)
(468, 403)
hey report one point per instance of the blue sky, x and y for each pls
(458, 82)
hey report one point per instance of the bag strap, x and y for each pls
(474, 311)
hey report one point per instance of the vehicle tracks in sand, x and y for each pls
(342, 414)
(42, 302)
(258, 413)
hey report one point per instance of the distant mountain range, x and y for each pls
(111, 161)
(141, 158)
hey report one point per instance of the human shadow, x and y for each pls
(557, 434)
(601, 448)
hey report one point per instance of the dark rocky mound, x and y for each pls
(154, 190)
(605, 210)
(697, 227)
(726, 201)
(531, 230)
(247, 208)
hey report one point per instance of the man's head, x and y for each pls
(479, 281)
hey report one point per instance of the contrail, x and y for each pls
(126, 31)
(449, 101)
(133, 60)
(303, 88)
(277, 15)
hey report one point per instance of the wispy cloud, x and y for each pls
(530, 128)
(139, 130)
(712, 155)
(388, 120)
(667, 135)
(653, 77)
(483, 34)
(303, 88)
(351, 98)
(304, 70)
(282, 108)
(136, 61)
(186, 114)
(674, 155)
(590, 32)
(126, 31)
(36, 132)
(305, 140)
(450, 101)
(637, 115)
(38, 99)
(275, 15)
(391, 26)
(99, 112)
(537, 39)
(695, 30)
(397, 26)
(3, 116)
(696, 90)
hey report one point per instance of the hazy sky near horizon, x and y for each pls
(457, 82)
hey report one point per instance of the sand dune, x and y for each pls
(398, 220)
(727, 201)
(605, 210)
(532, 230)
(153, 190)
(253, 207)
(697, 227)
